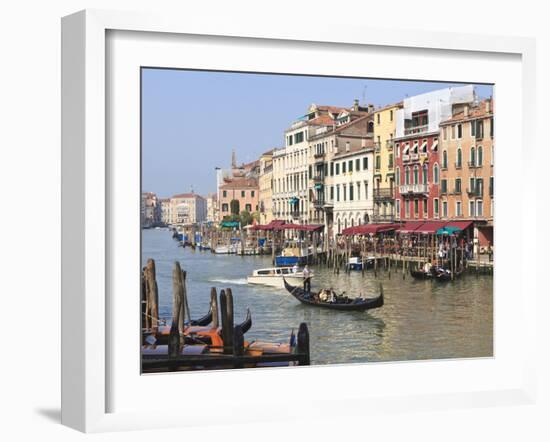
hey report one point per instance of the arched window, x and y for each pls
(459, 157)
(472, 156)
(407, 176)
(352, 222)
(436, 174)
(397, 176)
(479, 155)
(425, 174)
(444, 165)
(415, 175)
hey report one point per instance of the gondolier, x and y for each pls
(307, 279)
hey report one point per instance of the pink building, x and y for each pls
(243, 190)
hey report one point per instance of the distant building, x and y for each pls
(188, 208)
(212, 208)
(467, 177)
(245, 193)
(165, 211)
(265, 184)
(150, 209)
(418, 168)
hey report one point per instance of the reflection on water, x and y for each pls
(420, 319)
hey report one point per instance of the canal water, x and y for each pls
(420, 319)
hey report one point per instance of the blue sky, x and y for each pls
(191, 120)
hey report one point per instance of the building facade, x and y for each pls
(351, 186)
(265, 184)
(212, 213)
(150, 210)
(384, 163)
(416, 151)
(467, 178)
(188, 208)
(245, 194)
(165, 211)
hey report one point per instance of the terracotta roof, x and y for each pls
(239, 183)
(187, 195)
(353, 149)
(332, 109)
(321, 120)
(473, 112)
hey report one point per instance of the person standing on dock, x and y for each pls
(307, 279)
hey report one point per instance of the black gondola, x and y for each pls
(247, 323)
(343, 302)
(435, 274)
(203, 321)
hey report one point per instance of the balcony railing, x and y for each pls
(475, 192)
(319, 156)
(383, 218)
(318, 204)
(389, 144)
(413, 188)
(386, 193)
(318, 178)
(416, 129)
(414, 156)
(472, 164)
(406, 157)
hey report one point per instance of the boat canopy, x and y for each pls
(230, 224)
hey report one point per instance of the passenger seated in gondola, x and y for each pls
(428, 267)
(323, 295)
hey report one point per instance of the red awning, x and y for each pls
(369, 229)
(462, 225)
(410, 226)
(302, 227)
(275, 224)
(430, 227)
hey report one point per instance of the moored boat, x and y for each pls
(341, 302)
(275, 276)
(355, 263)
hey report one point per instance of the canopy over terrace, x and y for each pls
(369, 229)
(281, 225)
(432, 227)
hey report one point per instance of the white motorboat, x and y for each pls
(225, 250)
(274, 277)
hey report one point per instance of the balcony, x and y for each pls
(473, 165)
(319, 204)
(389, 144)
(416, 129)
(406, 157)
(478, 193)
(320, 156)
(384, 218)
(414, 157)
(413, 189)
(383, 194)
(377, 146)
(318, 178)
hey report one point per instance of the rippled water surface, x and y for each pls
(420, 319)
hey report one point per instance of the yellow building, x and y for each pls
(265, 184)
(384, 179)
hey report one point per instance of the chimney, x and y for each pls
(356, 105)
(371, 108)
(487, 106)
(466, 110)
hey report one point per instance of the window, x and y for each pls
(436, 207)
(491, 127)
(425, 174)
(365, 163)
(472, 188)
(397, 150)
(472, 156)
(358, 164)
(344, 190)
(458, 209)
(407, 176)
(416, 208)
(444, 186)
(479, 129)
(471, 208)
(398, 208)
(351, 192)
(415, 174)
(398, 176)
(377, 118)
(331, 193)
(225, 193)
(358, 191)
(472, 128)
(309, 171)
(407, 209)
(453, 132)
(390, 161)
(491, 186)
(248, 207)
(479, 156)
(366, 190)
(299, 137)
(444, 206)
(479, 206)
(252, 193)
(391, 115)
(337, 168)
(343, 167)
(479, 187)
(425, 208)
(444, 163)
(377, 162)
(458, 185)
(225, 207)
(337, 193)
(350, 165)
(459, 130)
(436, 174)
(458, 158)
(331, 168)
(445, 133)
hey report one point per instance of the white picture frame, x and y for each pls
(87, 213)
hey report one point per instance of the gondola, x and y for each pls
(344, 303)
(247, 323)
(203, 321)
(434, 275)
